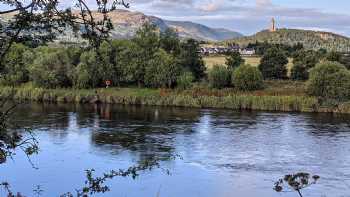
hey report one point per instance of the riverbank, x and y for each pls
(279, 97)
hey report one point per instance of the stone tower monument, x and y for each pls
(273, 25)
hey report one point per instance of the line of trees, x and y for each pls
(151, 59)
(161, 60)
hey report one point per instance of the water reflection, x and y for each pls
(229, 153)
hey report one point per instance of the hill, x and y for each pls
(126, 23)
(202, 32)
(310, 39)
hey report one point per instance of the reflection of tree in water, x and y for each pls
(330, 125)
(147, 132)
(146, 142)
(53, 119)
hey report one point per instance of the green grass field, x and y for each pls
(210, 61)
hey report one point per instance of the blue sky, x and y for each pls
(250, 16)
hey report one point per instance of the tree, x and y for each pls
(169, 41)
(273, 64)
(329, 81)
(303, 61)
(16, 60)
(162, 71)
(191, 59)
(247, 78)
(234, 60)
(51, 68)
(219, 77)
(107, 65)
(147, 44)
(88, 74)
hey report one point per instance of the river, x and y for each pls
(222, 153)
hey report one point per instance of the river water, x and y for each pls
(223, 153)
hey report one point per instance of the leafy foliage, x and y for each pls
(15, 65)
(273, 64)
(234, 60)
(191, 59)
(52, 68)
(10, 141)
(219, 77)
(162, 71)
(330, 80)
(247, 78)
(185, 80)
(296, 182)
(36, 22)
(303, 61)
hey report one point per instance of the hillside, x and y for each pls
(126, 23)
(202, 32)
(310, 39)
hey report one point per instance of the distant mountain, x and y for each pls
(202, 32)
(126, 24)
(310, 39)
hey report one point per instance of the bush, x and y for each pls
(273, 64)
(330, 80)
(219, 77)
(247, 78)
(185, 80)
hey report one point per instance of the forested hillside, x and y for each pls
(310, 39)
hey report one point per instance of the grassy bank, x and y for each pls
(275, 97)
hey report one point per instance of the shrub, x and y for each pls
(234, 60)
(247, 78)
(273, 64)
(185, 80)
(219, 77)
(330, 80)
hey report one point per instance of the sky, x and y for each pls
(250, 16)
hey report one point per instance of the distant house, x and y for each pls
(212, 50)
(247, 52)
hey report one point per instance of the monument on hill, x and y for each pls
(273, 25)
